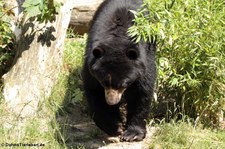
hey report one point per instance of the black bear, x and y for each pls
(118, 71)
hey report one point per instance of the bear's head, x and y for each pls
(117, 63)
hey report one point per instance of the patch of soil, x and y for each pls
(79, 131)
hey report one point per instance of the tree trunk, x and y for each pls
(37, 64)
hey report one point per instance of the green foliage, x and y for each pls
(6, 40)
(44, 10)
(73, 58)
(191, 53)
(70, 33)
(183, 135)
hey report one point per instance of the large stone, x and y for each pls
(82, 14)
(37, 64)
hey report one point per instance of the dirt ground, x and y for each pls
(80, 132)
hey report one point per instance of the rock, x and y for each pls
(82, 14)
(37, 64)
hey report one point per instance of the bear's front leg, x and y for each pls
(138, 112)
(106, 117)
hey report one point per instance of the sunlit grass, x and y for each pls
(184, 135)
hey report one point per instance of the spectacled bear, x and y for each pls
(118, 71)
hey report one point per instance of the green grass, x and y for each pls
(44, 127)
(182, 134)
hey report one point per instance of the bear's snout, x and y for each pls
(113, 96)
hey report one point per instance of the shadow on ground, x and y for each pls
(78, 130)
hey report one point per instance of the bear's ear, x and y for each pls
(122, 17)
(132, 53)
(98, 52)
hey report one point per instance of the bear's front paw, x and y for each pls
(134, 133)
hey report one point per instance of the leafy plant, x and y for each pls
(191, 53)
(6, 41)
(73, 57)
(44, 10)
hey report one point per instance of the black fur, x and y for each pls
(111, 52)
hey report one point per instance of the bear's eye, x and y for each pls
(98, 53)
(132, 54)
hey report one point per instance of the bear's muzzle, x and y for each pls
(113, 96)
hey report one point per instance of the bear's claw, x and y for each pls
(133, 134)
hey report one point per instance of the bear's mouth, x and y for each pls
(113, 96)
